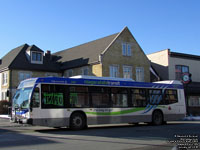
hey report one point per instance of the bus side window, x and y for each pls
(36, 98)
(171, 96)
(155, 97)
(119, 97)
(100, 97)
(79, 96)
(139, 97)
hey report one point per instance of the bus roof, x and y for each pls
(104, 82)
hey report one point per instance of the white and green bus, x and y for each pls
(81, 101)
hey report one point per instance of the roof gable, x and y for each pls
(34, 48)
(90, 52)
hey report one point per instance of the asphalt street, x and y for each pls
(112, 137)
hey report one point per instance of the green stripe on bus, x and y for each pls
(117, 112)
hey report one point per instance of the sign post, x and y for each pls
(186, 79)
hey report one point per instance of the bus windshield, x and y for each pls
(21, 98)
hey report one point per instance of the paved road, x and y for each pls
(121, 137)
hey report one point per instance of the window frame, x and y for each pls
(139, 77)
(26, 75)
(4, 78)
(69, 73)
(34, 57)
(178, 75)
(130, 71)
(126, 49)
(85, 69)
(114, 73)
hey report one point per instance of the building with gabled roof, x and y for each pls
(24, 62)
(117, 55)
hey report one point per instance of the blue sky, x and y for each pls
(60, 24)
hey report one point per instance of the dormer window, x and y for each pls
(36, 57)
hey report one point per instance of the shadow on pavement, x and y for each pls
(9, 138)
(143, 131)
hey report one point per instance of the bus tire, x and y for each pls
(157, 117)
(77, 121)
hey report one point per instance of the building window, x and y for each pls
(69, 73)
(127, 72)
(194, 101)
(140, 74)
(36, 57)
(49, 74)
(24, 75)
(85, 71)
(114, 71)
(180, 70)
(4, 78)
(126, 49)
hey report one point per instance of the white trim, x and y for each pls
(99, 78)
(113, 40)
(151, 69)
(4, 78)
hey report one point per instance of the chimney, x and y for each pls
(48, 54)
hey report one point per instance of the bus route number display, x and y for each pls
(53, 99)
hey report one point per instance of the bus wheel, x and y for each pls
(77, 121)
(157, 118)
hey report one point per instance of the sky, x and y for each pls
(60, 24)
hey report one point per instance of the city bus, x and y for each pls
(80, 101)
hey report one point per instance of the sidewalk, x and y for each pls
(5, 116)
(192, 118)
